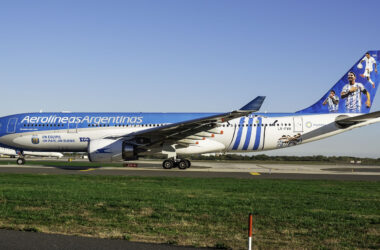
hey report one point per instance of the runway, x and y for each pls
(37, 241)
(208, 169)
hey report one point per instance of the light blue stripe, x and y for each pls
(258, 135)
(238, 137)
(249, 134)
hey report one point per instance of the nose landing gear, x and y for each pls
(20, 161)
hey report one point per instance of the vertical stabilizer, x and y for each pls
(355, 91)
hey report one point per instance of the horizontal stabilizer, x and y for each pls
(348, 121)
(254, 105)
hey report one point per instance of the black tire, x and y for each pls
(176, 164)
(183, 164)
(188, 163)
(20, 161)
(168, 164)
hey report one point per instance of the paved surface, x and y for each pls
(39, 241)
(216, 170)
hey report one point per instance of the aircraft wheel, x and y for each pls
(20, 161)
(183, 164)
(168, 164)
(188, 163)
(175, 164)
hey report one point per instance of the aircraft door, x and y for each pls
(72, 128)
(11, 128)
(298, 124)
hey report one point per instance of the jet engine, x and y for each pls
(109, 150)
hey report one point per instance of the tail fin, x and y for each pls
(353, 93)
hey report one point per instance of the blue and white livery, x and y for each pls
(108, 137)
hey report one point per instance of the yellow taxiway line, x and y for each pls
(254, 173)
(85, 170)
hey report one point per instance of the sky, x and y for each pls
(185, 56)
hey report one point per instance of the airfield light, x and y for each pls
(250, 232)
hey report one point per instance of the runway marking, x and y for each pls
(254, 173)
(85, 170)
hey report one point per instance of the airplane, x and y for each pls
(14, 153)
(119, 137)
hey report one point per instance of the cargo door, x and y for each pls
(11, 128)
(72, 128)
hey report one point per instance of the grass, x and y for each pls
(288, 214)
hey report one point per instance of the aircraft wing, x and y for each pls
(181, 130)
(349, 121)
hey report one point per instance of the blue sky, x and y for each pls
(174, 56)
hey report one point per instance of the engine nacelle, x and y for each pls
(109, 150)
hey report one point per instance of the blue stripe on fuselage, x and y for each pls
(258, 134)
(249, 134)
(34, 122)
(238, 137)
(110, 119)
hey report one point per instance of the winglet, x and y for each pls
(254, 105)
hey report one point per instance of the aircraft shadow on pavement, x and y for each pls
(79, 168)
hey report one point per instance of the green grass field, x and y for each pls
(200, 212)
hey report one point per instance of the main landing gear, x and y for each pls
(20, 161)
(180, 163)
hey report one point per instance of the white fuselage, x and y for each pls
(246, 134)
